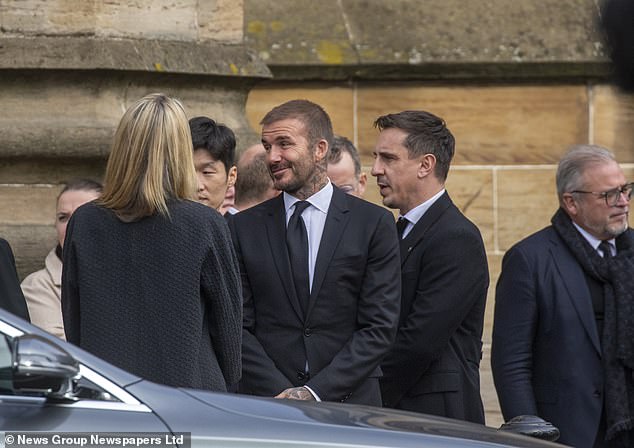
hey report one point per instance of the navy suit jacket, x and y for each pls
(353, 309)
(434, 365)
(11, 297)
(546, 353)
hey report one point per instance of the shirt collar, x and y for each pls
(594, 242)
(320, 200)
(415, 214)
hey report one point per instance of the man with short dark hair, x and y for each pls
(563, 333)
(214, 153)
(320, 273)
(344, 167)
(433, 367)
(254, 183)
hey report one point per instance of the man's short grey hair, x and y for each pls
(573, 164)
(341, 144)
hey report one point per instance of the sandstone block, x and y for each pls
(28, 204)
(336, 99)
(493, 125)
(30, 244)
(613, 121)
(472, 192)
(221, 20)
(527, 199)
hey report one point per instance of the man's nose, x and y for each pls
(624, 196)
(274, 154)
(377, 168)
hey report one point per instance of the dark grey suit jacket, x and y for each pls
(434, 365)
(11, 297)
(546, 353)
(353, 309)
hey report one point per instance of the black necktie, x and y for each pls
(297, 245)
(400, 226)
(605, 248)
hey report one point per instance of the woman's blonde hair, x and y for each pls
(151, 160)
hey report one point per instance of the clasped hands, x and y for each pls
(296, 393)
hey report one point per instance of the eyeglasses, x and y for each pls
(612, 196)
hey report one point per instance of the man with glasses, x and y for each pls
(563, 335)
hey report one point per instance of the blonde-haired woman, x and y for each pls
(150, 279)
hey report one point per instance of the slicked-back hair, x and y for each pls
(573, 164)
(151, 161)
(254, 180)
(426, 134)
(315, 119)
(81, 184)
(216, 138)
(340, 145)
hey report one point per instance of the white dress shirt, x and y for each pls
(314, 217)
(415, 214)
(594, 242)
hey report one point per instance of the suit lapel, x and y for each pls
(276, 231)
(575, 283)
(333, 230)
(415, 236)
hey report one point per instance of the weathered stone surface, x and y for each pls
(336, 99)
(435, 38)
(161, 56)
(28, 204)
(493, 125)
(527, 199)
(493, 414)
(30, 244)
(472, 192)
(613, 119)
(219, 20)
(74, 114)
(50, 171)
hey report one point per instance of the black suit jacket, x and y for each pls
(11, 297)
(353, 309)
(434, 365)
(546, 353)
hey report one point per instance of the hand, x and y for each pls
(296, 393)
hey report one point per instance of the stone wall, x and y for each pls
(68, 71)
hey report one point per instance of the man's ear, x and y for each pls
(363, 180)
(232, 176)
(427, 165)
(569, 204)
(321, 149)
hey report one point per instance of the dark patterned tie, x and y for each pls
(605, 248)
(400, 226)
(297, 245)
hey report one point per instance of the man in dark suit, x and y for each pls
(11, 297)
(317, 321)
(563, 339)
(433, 366)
